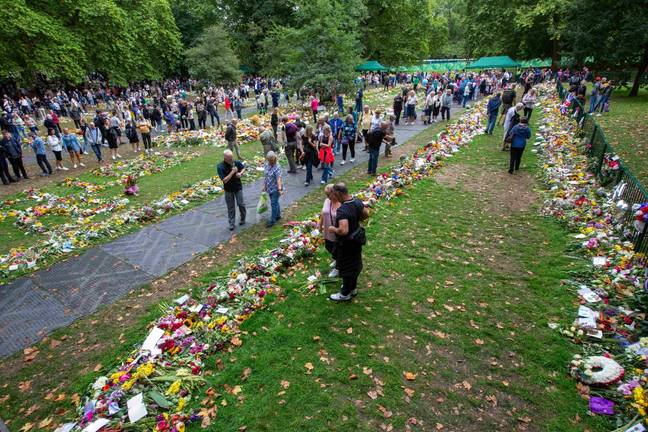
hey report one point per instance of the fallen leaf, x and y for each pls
(30, 354)
(349, 330)
(46, 422)
(430, 300)
(284, 384)
(24, 385)
(409, 392)
(525, 419)
(409, 376)
(366, 371)
(246, 373)
(27, 427)
(385, 412)
(373, 394)
(316, 338)
(353, 377)
(479, 341)
(309, 368)
(466, 385)
(492, 399)
(97, 368)
(236, 341)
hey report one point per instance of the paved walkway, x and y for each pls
(32, 307)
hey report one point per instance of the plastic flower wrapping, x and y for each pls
(610, 321)
(156, 388)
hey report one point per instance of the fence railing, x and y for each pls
(610, 170)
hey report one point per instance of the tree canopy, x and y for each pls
(212, 58)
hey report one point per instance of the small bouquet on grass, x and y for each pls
(130, 186)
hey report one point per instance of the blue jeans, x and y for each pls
(97, 150)
(327, 172)
(491, 123)
(309, 170)
(465, 100)
(373, 160)
(274, 206)
(337, 145)
(593, 101)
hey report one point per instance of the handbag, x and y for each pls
(358, 236)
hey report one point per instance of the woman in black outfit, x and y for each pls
(348, 258)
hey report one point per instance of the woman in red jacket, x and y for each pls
(326, 154)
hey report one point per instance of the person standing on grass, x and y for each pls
(112, 135)
(529, 101)
(512, 118)
(374, 140)
(268, 141)
(230, 137)
(93, 138)
(72, 146)
(133, 137)
(446, 103)
(54, 144)
(508, 99)
(349, 241)
(13, 150)
(273, 186)
(230, 173)
(492, 108)
(311, 156)
(314, 103)
(327, 219)
(291, 131)
(349, 133)
(38, 146)
(436, 107)
(520, 133)
(144, 127)
(391, 131)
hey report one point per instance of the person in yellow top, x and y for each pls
(365, 123)
(144, 127)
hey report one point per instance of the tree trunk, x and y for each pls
(555, 47)
(642, 68)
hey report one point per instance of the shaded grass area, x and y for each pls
(457, 296)
(626, 128)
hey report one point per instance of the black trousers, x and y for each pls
(350, 146)
(43, 163)
(214, 115)
(349, 284)
(444, 111)
(516, 158)
(202, 122)
(527, 112)
(18, 167)
(397, 114)
(146, 138)
(4, 170)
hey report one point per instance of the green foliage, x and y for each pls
(212, 58)
(65, 40)
(321, 53)
(397, 31)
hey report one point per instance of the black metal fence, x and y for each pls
(610, 170)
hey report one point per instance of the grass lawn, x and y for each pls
(449, 331)
(626, 128)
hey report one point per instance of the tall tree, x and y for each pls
(212, 58)
(397, 31)
(612, 33)
(320, 53)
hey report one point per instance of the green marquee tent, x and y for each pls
(370, 66)
(498, 62)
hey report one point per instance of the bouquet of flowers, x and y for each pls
(130, 185)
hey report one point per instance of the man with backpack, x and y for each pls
(508, 99)
(230, 137)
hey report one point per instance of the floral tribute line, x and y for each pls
(155, 387)
(610, 325)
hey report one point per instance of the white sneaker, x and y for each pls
(342, 163)
(334, 273)
(75, 165)
(82, 164)
(323, 182)
(352, 160)
(119, 156)
(303, 167)
(65, 169)
(113, 158)
(337, 297)
(85, 153)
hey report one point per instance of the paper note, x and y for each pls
(585, 312)
(636, 428)
(182, 300)
(136, 408)
(96, 425)
(222, 310)
(67, 427)
(599, 261)
(195, 309)
(589, 295)
(587, 322)
(150, 343)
